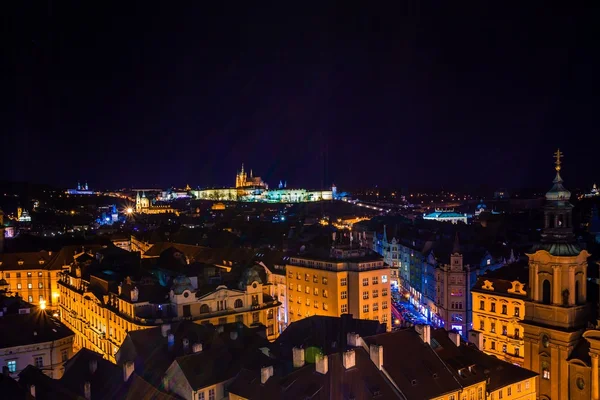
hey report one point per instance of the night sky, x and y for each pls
(412, 96)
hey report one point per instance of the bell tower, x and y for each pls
(556, 313)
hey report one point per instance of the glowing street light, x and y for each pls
(42, 304)
(129, 210)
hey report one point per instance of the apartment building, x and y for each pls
(347, 280)
(498, 308)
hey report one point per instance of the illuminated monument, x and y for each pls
(559, 343)
(253, 189)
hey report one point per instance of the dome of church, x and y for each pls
(181, 284)
(558, 191)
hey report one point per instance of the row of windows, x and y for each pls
(504, 310)
(29, 274)
(456, 305)
(315, 278)
(504, 348)
(38, 361)
(516, 334)
(30, 286)
(211, 395)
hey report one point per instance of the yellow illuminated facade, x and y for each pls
(143, 206)
(348, 282)
(498, 308)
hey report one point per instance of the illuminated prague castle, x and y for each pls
(253, 189)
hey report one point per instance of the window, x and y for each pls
(40, 285)
(384, 292)
(481, 325)
(344, 282)
(509, 391)
(201, 396)
(64, 355)
(40, 274)
(344, 308)
(12, 366)
(375, 306)
(325, 306)
(517, 336)
(517, 352)
(307, 290)
(545, 371)
(38, 361)
(493, 307)
(299, 300)
(222, 321)
(517, 312)
(365, 295)
(298, 275)
(30, 298)
(384, 318)
(504, 309)
(493, 327)
(500, 391)
(18, 274)
(30, 286)
(307, 277)
(270, 330)
(375, 293)
(19, 286)
(324, 281)
(316, 291)
(518, 388)
(29, 274)
(384, 305)
(316, 304)
(299, 288)
(383, 278)
(375, 280)
(344, 295)
(480, 394)
(270, 314)
(41, 297)
(204, 309)
(290, 274)
(211, 394)
(493, 345)
(325, 293)
(481, 305)
(238, 303)
(366, 308)
(504, 330)
(255, 318)
(527, 384)
(365, 281)
(452, 397)
(504, 348)
(315, 279)
(239, 319)
(7, 275)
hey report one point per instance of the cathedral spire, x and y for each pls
(456, 246)
(558, 223)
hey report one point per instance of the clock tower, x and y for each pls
(556, 313)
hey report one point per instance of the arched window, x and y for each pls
(238, 304)
(576, 292)
(204, 309)
(546, 292)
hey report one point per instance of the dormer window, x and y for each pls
(20, 262)
(42, 261)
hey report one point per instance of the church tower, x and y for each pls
(555, 311)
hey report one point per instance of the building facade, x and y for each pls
(498, 308)
(350, 281)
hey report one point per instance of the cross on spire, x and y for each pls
(558, 155)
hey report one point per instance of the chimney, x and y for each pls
(87, 391)
(321, 364)
(164, 329)
(32, 390)
(220, 329)
(353, 339)
(128, 368)
(134, 294)
(265, 374)
(233, 335)
(186, 345)
(197, 348)
(349, 359)
(298, 356)
(93, 366)
(376, 353)
(170, 340)
(425, 332)
(476, 338)
(455, 337)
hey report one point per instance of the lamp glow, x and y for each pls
(42, 304)
(129, 210)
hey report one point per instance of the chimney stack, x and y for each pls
(476, 338)
(353, 339)
(321, 364)
(376, 354)
(128, 368)
(455, 337)
(349, 359)
(164, 329)
(425, 332)
(197, 348)
(32, 390)
(93, 366)
(298, 357)
(265, 374)
(87, 391)
(233, 335)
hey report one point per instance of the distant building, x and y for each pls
(349, 279)
(254, 189)
(446, 215)
(144, 206)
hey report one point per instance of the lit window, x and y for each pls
(343, 282)
(365, 295)
(12, 366)
(517, 312)
(325, 293)
(344, 294)
(307, 290)
(38, 361)
(40, 285)
(384, 292)
(19, 286)
(365, 281)
(481, 325)
(30, 286)
(316, 291)
(299, 288)
(504, 309)
(366, 308)
(211, 394)
(384, 305)
(384, 278)
(324, 281)
(375, 306)
(375, 280)
(29, 274)
(325, 306)
(375, 293)
(30, 298)
(493, 307)
(481, 305)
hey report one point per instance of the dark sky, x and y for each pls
(169, 93)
